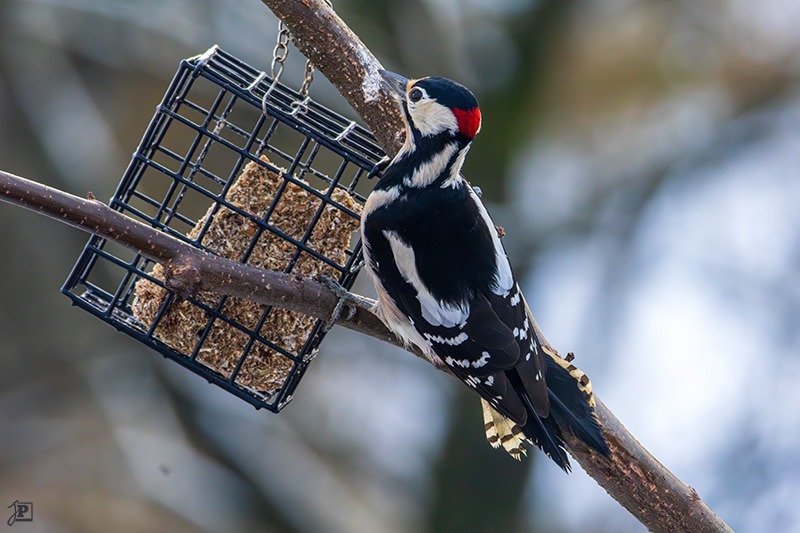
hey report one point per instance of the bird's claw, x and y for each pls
(346, 299)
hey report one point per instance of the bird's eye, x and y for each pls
(415, 95)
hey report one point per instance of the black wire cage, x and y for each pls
(250, 170)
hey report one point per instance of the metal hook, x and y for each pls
(300, 106)
(266, 96)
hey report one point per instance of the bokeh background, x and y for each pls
(644, 158)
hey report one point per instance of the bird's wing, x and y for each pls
(531, 367)
(481, 334)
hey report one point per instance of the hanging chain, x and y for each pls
(281, 50)
(308, 79)
(279, 54)
(301, 105)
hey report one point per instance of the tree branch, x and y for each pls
(641, 484)
(338, 53)
(189, 269)
(631, 475)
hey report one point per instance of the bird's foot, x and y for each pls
(346, 300)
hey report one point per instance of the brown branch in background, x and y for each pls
(632, 476)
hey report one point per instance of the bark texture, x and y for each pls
(631, 475)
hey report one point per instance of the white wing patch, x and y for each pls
(463, 363)
(436, 313)
(505, 279)
(453, 341)
(482, 361)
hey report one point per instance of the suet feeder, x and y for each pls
(253, 171)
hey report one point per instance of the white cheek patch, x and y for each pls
(431, 118)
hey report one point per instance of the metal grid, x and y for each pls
(209, 125)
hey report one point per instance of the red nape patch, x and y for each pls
(469, 121)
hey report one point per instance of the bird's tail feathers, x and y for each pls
(541, 432)
(572, 402)
(571, 409)
(501, 431)
(546, 434)
(571, 398)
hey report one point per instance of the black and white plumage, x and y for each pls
(445, 284)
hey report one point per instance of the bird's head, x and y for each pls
(436, 106)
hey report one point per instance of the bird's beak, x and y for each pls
(394, 82)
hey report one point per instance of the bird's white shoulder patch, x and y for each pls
(379, 198)
(436, 313)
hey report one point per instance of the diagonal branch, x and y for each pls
(631, 475)
(348, 64)
(189, 269)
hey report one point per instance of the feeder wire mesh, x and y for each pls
(280, 190)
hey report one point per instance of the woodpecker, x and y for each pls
(445, 284)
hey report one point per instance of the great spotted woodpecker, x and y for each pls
(444, 282)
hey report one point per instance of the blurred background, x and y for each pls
(644, 158)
